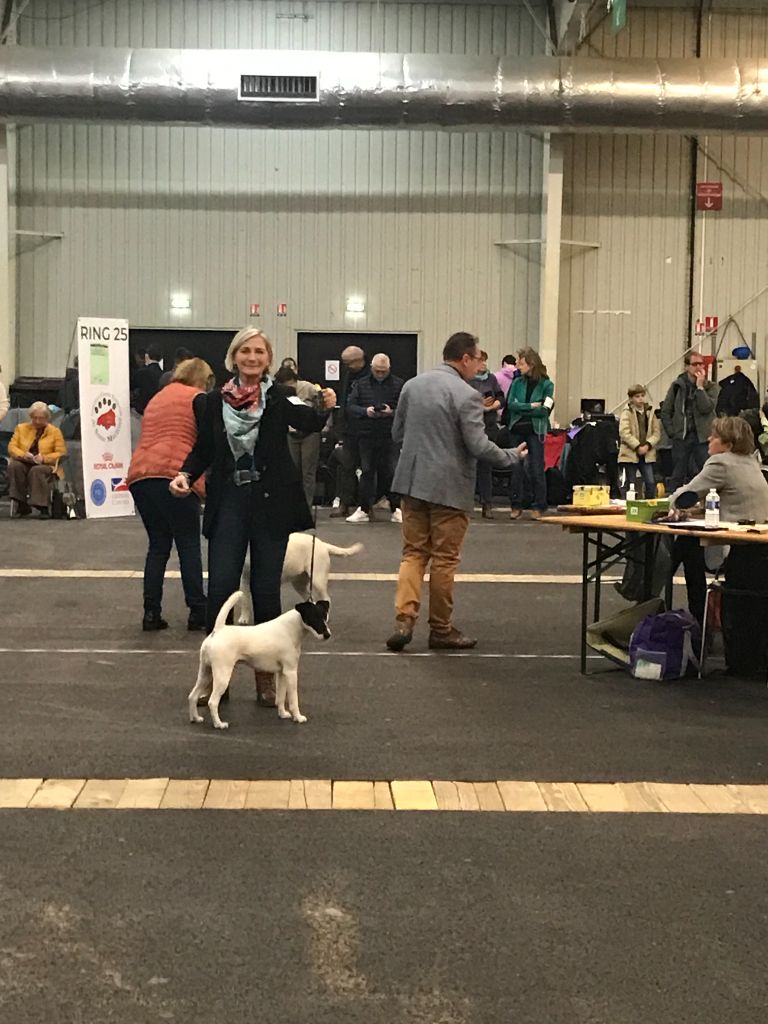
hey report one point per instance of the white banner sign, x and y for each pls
(105, 415)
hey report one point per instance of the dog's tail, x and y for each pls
(353, 549)
(226, 608)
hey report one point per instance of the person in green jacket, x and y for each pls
(529, 400)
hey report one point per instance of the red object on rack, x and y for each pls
(553, 449)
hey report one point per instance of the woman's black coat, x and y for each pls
(282, 488)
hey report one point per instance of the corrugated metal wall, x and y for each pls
(624, 305)
(734, 244)
(407, 220)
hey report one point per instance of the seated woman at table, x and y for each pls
(35, 451)
(734, 472)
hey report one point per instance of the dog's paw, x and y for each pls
(221, 725)
(299, 718)
(196, 719)
(282, 713)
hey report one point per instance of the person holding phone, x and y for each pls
(492, 395)
(372, 403)
(529, 401)
(687, 414)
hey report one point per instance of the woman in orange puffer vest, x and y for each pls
(168, 433)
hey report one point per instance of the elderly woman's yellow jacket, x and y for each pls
(51, 448)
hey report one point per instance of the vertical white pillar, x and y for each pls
(7, 331)
(551, 231)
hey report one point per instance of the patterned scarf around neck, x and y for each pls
(242, 409)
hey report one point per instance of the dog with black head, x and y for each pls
(273, 646)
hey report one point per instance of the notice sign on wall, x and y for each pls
(709, 195)
(105, 415)
(331, 369)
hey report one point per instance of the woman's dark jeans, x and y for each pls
(689, 551)
(528, 484)
(242, 520)
(170, 520)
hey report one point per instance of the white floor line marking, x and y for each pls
(307, 654)
(340, 577)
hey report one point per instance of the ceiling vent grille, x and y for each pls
(284, 88)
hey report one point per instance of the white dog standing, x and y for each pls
(273, 646)
(297, 567)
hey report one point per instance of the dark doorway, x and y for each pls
(315, 347)
(208, 345)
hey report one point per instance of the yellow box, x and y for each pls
(643, 511)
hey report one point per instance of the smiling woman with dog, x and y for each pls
(255, 495)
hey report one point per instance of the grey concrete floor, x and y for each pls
(419, 918)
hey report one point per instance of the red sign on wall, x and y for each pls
(711, 323)
(282, 309)
(709, 195)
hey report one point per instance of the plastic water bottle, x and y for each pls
(712, 508)
(631, 495)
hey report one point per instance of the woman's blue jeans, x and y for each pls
(242, 521)
(528, 485)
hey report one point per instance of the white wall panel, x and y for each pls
(406, 219)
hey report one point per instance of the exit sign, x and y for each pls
(618, 15)
(709, 195)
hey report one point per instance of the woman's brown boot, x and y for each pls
(265, 688)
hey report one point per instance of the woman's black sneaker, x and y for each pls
(153, 621)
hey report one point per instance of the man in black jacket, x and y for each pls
(372, 403)
(347, 430)
(148, 378)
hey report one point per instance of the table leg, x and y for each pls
(584, 598)
(668, 594)
(598, 574)
(650, 545)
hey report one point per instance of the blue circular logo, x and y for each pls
(98, 492)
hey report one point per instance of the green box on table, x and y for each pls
(643, 511)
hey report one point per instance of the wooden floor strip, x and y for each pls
(353, 796)
(521, 796)
(57, 794)
(382, 797)
(506, 795)
(18, 792)
(413, 796)
(185, 794)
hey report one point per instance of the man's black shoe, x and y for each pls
(399, 639)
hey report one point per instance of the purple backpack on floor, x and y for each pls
(665, 646)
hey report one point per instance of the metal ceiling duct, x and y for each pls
(308, 89)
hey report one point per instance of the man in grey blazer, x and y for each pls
(439, 422)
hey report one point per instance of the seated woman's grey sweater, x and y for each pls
(739, 482)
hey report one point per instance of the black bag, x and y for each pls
(558, 492)
(745, 611)
(58, 508)
(632, 585)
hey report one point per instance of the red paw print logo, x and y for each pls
(106, 417)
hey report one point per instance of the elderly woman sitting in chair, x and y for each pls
(34, 454)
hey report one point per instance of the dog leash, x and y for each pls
(314, 539)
